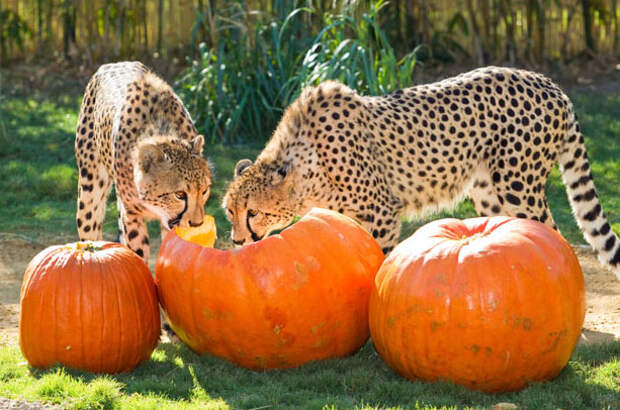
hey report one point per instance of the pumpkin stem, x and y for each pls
(469, 239)
(87, 246)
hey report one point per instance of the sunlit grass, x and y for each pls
(175, 377)
(38, 176)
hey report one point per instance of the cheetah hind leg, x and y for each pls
(488, 201)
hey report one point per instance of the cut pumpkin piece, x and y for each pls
(203, 235)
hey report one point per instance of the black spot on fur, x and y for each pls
(605, 228)
(610, 242)
(512, 199)
(615, 261)
(593, 214)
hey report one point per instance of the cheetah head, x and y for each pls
(262, 198)
(173, 179)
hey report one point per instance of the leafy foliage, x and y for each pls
(13, 31)
(357, 52)
(238, 90)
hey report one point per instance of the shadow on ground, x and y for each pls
(175, 373)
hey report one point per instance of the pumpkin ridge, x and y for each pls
(190, 289)
(137, 336)
(81, 321)
(120, 357)
(55, 304)
(102, 315)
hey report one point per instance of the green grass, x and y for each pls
(175, 377)
(38, 176)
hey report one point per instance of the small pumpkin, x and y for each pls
(90, 306)
(488, 303)
(288, 299)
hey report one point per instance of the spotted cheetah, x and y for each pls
(134, 131)
(492, 133)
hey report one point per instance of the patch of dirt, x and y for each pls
(602, 321)
(25, 405)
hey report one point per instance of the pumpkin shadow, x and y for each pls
(589, 337)
(175, 373)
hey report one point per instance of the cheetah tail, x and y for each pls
(577, 177)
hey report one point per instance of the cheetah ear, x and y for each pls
(280, 173)
(241, 166)
(197, 144)
(148, 156)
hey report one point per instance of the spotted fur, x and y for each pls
(493, 134)
(134, 131)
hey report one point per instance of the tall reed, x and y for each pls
(238, 90)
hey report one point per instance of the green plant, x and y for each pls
(13, 32)
(237, 88)
(357, 52)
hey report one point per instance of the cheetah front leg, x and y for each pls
(384, 226)
(134, 232)
(392, 232)
(93, 189)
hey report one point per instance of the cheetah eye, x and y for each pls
(205, 192)
(180, 195)
(252, 212)
(230, 211)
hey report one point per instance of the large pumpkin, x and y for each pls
(90, 306)
(280, 302)
(489, 303)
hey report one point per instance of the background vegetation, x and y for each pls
(247, 60)
(488, 30)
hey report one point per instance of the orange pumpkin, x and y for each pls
(90, 306)
(488, 303)
(277, 303)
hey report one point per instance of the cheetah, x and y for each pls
(134, 131)
(493, 134)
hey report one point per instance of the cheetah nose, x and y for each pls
(241, 242)
(195, 224)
